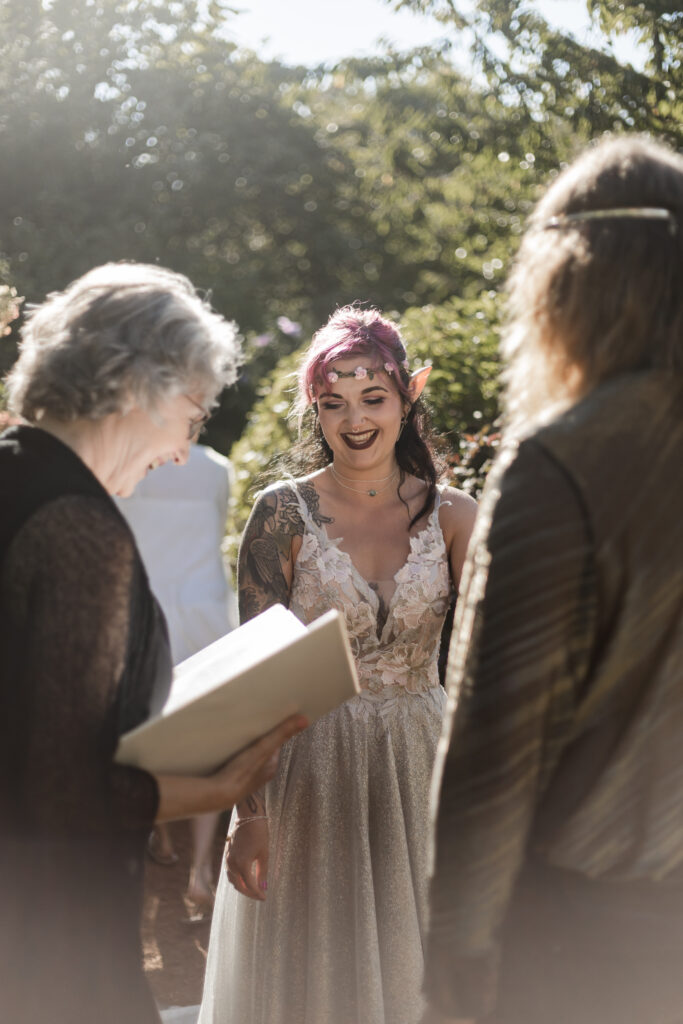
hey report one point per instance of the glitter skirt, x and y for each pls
(339, 938)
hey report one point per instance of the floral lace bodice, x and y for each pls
(401, 657)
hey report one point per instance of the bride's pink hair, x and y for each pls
(353, 331)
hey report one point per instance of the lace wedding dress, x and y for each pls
(339, 938)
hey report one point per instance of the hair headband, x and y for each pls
(564, 220)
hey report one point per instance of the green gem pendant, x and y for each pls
(372, 494)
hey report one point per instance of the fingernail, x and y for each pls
(264, 885)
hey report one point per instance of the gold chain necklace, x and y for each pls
(377, 480)
(372, 492)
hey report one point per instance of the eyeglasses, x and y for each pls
(199, 422)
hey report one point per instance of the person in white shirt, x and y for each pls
(178, 515)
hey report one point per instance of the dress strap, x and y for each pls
(438, 500)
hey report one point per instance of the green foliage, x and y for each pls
(450, 170)
(460, 340)
(10, 306)
(472, 462)
(10, 303)
(183, 153)
(269, 432)
(446, 169)
(131, 129)
(543, 74)
(282, 191)
(262, 353)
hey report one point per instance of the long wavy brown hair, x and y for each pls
(596, 298)
(366, 333)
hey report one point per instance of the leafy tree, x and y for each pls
(450, 171)
(133, 130)
(543, 73)
(10, 306)
(444, 168)
(165, 144)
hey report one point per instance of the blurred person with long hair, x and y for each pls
(321, 912)
(557, 893)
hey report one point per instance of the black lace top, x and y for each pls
(83, 647)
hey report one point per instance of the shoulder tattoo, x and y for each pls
(266, 547)
(310, 496)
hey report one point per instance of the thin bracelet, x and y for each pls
(243, 821)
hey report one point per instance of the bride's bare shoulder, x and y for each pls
(457, 510)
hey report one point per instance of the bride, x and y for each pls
(320, 915)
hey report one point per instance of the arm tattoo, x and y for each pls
(265, 549)
(267, 544)
(310, 496)
(253, 805)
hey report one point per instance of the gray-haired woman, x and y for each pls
(115, 376)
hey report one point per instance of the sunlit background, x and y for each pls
(310, 32)
(289, 157)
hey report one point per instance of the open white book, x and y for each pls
(240, 687)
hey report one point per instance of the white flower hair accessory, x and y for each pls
(363, 372)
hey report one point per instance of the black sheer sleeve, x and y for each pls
(66, 592)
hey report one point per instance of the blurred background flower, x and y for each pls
(289, 327)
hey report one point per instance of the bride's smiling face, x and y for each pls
(360, 417)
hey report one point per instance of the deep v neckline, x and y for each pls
(334, 542)
(370, 592)
(319, 531)
(371, 595)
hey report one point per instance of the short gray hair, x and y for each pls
(122, 332)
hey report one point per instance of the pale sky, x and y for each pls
(323, 31)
